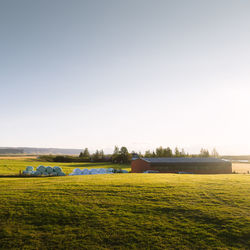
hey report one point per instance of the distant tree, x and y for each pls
(147, 154)
(124, 154)
(168, 152)
(177, 153)
(183, 153)
(85, 153)
(116, 150)
(214, 153)
(159, 152)
(96, 156)
(204, 153)
(101, 154)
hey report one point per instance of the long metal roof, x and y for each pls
(183, 160)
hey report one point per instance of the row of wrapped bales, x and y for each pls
(85, 171)
(44, 171)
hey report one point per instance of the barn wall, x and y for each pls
(195, 168)
(139, 166)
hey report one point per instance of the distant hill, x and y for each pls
(38, 151)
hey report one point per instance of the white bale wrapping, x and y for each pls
(102, 171)
(49, 170)
(85, 171)
(29, 168)
(57, 169)
(41, 169)
(61, 174)
(77, 171)
(110, 170)
(37, 173)
(93, 171)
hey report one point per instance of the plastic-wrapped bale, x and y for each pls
(85, 171)
(77, 171)
(54, 174)
(110, 170)
(124, 171)
(49, 170)
(41, 169)
(57, 169)
(29, 168)
(45, 173)
(37, 173)
(102, 171)
(61, 174)
(93, 171)
(26, 172)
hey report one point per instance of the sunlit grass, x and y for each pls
(126, 211)
(14, 166)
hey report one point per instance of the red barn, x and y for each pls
(182, 165)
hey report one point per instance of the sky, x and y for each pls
(138, 73)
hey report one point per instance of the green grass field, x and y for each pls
(10, 166)
(124, 211)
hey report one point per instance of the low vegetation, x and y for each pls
(130, 211)
(122, 211)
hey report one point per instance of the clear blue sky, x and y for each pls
(137, 73)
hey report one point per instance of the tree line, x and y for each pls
(122, 155)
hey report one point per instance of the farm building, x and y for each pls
(182, 165)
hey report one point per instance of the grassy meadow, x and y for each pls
(123, 211)
(12, 166)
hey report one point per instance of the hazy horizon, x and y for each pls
(140, 74)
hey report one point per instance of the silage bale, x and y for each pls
(85, 171)
(54, 174)
(110, 170)
(26, 172)
(77, 171)
(49, 170)
(61, 174)
(41, 169)
(124, 171)
(93, 171)
(45, 173)
(57, 169)
(102, 171)
(37, 173)
(29, 168)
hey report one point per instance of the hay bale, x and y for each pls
(93, 171)
(57, 169)
(61, 174)
(49, 170)
(29, 168)
(37, 173)
(102, 171)
(110, 170)
(77, 171)
(41, 169)
(85, 171)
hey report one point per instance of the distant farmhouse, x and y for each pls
(182, 165)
